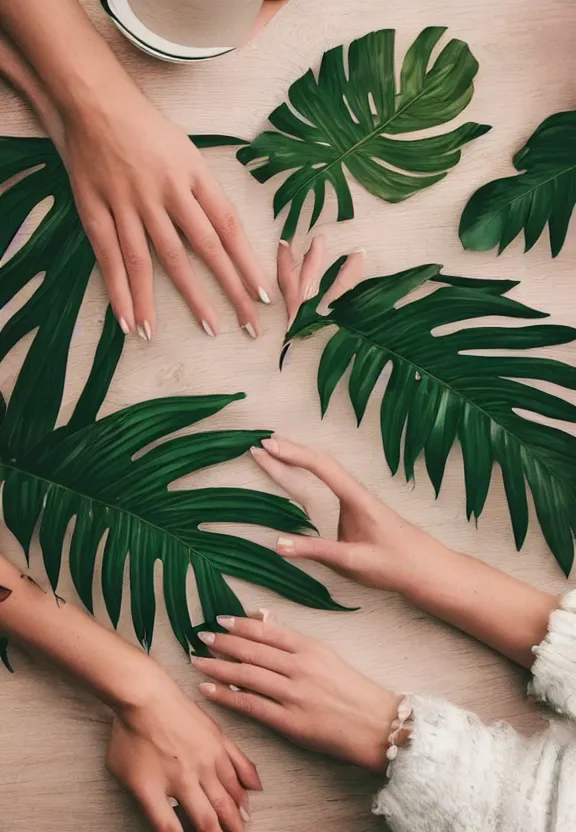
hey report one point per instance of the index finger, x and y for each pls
(323, 466)
(267, 632)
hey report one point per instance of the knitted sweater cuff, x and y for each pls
(554, 671)
(452, 772)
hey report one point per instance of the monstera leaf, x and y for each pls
(354, 116)
(543, 193)
(439, 393)
(87, 472)
(60, 252)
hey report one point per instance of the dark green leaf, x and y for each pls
(348, 117)
(544, 193)
(439, 391)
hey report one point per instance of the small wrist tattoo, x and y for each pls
(4, 593)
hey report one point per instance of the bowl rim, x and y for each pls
(153, 50)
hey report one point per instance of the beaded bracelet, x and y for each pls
(401, 730)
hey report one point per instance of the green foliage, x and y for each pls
(544, 192)
(354, 116)
(439, 393)
(94, 472)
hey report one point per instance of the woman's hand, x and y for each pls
(138, 178)
(169, 749)
(300, 688)
(376, 547)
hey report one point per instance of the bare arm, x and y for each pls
(135, 176)
(162, 744)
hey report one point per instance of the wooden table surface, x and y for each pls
(52, 774)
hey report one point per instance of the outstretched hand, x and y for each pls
(300, 688)
(375, 547)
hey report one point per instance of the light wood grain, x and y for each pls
(52, 774)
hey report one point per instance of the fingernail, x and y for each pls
(124, 326)
(145, 331)
(266, 614)
(234, 688)
(271, 445)
(358, 251)
(310, 292)
(284, 543)
(208, 329)
(250, 330)
(194, 660)
(226, 621)
(258, 452)
(207, 638)
(207, 688)
(263, 295)
(285, 243)
(243, 813)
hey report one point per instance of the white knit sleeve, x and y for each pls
(554, 671)
(459, 775)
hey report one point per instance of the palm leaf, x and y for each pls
(60, 251)
(352, 117)
(543, 193)
(102, 476)
(439, 393)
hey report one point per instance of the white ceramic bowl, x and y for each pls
(146, 40)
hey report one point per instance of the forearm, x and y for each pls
(75, 63)
(499, 610)
(118, 673)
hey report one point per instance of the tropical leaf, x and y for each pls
(59, 250)
(439, 393)
(352, 117)
(103, 476)
(544, 192)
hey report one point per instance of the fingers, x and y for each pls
(230, 815)
(289, 279)
(101, 231)
(330, 472)
(247, 676)
(174, 259)
(249, 704)
(160, 814)
(227, 225)
(328, 552)
(138, 263)
(246, 771)
(292, 480)
(311, 272)
(260, 632)
(229, 779)
(199, 810)
(205, 241)
(299, 284)
(351, 273)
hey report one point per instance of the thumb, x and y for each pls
(328, 552)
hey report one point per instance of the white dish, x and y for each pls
(146, 40)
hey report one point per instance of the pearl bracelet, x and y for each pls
(401, 729)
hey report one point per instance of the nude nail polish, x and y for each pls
(207, 688)
(123, 323)
(250, 330)
(263, 295)
(226, 621)
(208, 329)
(207, 638)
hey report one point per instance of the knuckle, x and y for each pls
(230, 223)
(209, 244)
(172, 254)
(245, 703)
(135, 261)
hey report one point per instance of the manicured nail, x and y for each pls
(310, 291)
(145, 331)
(263, 295)
(234, 688)
(208, 329)
(207, 638)
(258, 452)
(194, 660)
(226, 621)
(250, 330)
(285, 243)
(243, 813)
(124, 326)
(358, 251)
(266, 614)
(284, 543)
(207, 688)
(271, 445)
